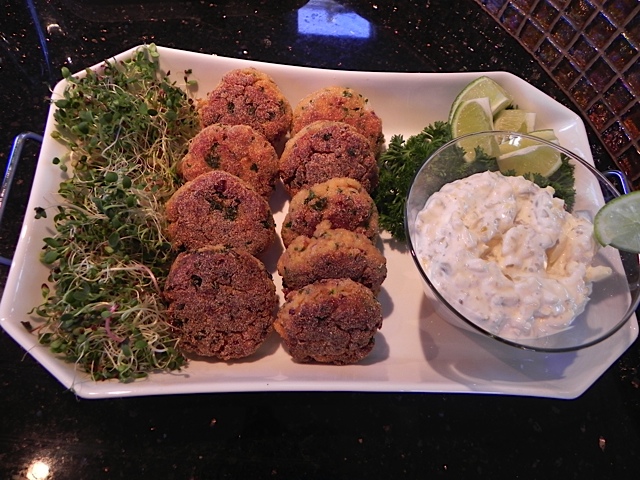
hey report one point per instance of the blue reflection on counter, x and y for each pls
(328, 18)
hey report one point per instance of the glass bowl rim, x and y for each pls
(635, 302)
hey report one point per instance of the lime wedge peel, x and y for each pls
(618, 223)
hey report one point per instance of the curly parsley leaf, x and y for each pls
(398, 165)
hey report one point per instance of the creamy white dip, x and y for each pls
(507, 255)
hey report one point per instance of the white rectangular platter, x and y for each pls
(415, 350)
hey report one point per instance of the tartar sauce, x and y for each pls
(506, 254)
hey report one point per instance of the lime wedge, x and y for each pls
(618, 223)
(545, 134)
(483, 87)
(474, 116)
(516, 143)
(514, 120)
(541, 159)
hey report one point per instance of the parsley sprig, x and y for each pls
(398, 165)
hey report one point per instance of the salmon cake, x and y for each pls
(336, 203)
(247, 96)
(334, 253)
(237, 149)
(325, 150)
(218, 208)
(330, 321)
(340, 104)
(222, 302)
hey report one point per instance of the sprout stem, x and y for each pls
(110, 253)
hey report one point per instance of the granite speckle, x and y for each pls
(286, 435)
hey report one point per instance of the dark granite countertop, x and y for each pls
(286, 435)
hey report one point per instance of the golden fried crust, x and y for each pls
(219, 208)
(222, 302)
(325, 150)
(336, 203)
(330, 321)
(335, 253)
(340, 104)
(237, 149)
(247, 96)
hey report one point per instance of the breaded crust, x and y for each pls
(325, 150)
(247, 96)
(336, 203)
(237, 149)
(335, 253)
(218, 208)
(340, 104)
(330, 321)
(222, 302)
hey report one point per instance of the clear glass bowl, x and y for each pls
(613, 300)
